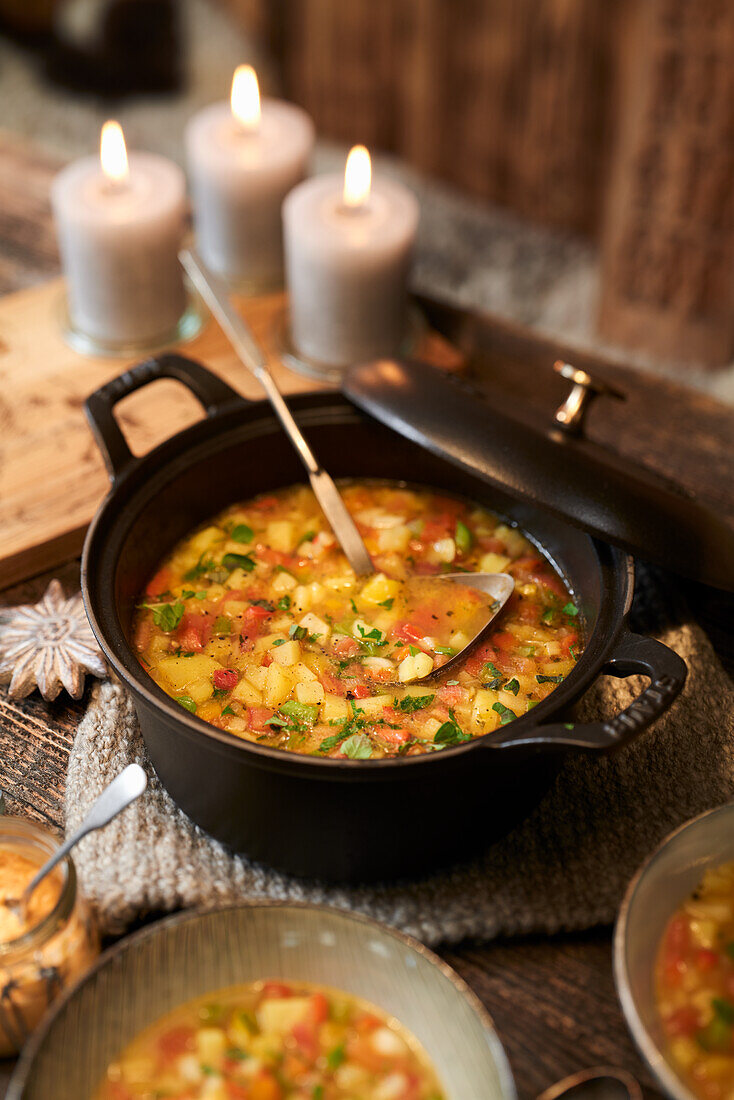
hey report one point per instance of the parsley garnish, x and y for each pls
(446, 649)
(571, 609)
(549, 679)
(297, 632)
(167, 616)
(387, 604)
(410, 703)
(227, 709)
(506, 715)
(354, 606)
(241, 533)
(335, 1057)
(451, 733)
(278, 641)
(200, 568)
(513, 686)
(547, 615)
(496, 679)
(357, 747)
(239, 561)
(284, 603)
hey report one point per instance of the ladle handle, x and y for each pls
(124, 789)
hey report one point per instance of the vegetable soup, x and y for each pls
(257, 624)
(695, 986)
(270, 1041)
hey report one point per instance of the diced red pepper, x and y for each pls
(225, 678)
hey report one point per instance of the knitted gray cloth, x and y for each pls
(565, 867)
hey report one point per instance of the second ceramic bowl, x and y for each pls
(193, 953)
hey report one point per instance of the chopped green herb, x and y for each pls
(571, 609)
(277, 720)
(284, 603)
(354, 606)
(187, 702)
(547, 615)
(445, 649)
(266, 604)
(309, 536)
(451, 683)
(513, 686)
(724, 1009)
(186, 594)
(297, 632)
(410, 703)
(318, 1092)
(305, 714)
(222, 625)
(357, 747)
(278, 641)
(167, 616)
(241, 533)
(414, 651)
(463, 537)
(492, 675)
(506, 715)
(208, 1071)
(234, 1054)
(335, 1057)
(220, 693)
(239, 561)
(549, 679)
(227, 709)
(202, 566)
(451, 733)
(568, 725)
(387, 604)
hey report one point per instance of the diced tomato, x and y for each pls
(257, 717)
(504, 640)
(528, 564)
(683, 1022)
(439, 527)
(408, 633)
(366, 1023)
(235, 1091)
(452, 694)
(264, 504)
(489, 542)
(550, 581)
(569, 640)
(427, 568)
(332, 683)
(194, 631)
(161, 582)
(278, 557)
(276, 990)
(402, 653)
(393, 737)
(256, 613)
(172, 1044)
(705, 959)
(345, 647)
(304, 1034)
(118, 1091)
(319, 1008)
(360, 691)
(225, 678)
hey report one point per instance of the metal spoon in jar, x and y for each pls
(117, 795)
(499, 586)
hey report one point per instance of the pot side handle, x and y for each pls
(633, 654)
(211, 391)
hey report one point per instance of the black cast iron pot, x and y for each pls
(339, 819)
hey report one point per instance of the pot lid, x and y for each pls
(549, 465)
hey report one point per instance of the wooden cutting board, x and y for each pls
(52, 477)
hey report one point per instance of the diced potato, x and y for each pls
(238, 577)
(203, 540)
(458, 640)
(315, 625)
(215, 591)
(414, 667)
(266, 641)
(256, 675)
(393, 539)
(236, 607)
(200, 690)
(218, 648)
(301, 598)
(391, 1087)
(138, 1070)
(237, 725)
(493, 563)
(245, 693)
(342, 583)
(444, 550)
(334, 709)
(182, 671)
(311, 693)
(279, 1015)
(513, 540)
(378, 664)
(484, 718)
(379, 588)
(350, 1078)
(552, 649)
(287, 654)
(429, 729)
(417, 692)
(283, 582)
(374, 705)
(303, 673)
(211, 1043)
(278, 685)
(507, 699)
(215, 1089)
(280, 535)
(189, 1067)
(388, 1043)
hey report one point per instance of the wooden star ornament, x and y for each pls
(48, 645)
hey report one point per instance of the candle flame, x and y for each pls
(357, 177)
(245, 97)
(113, 154)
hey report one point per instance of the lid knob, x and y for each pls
(570, 416)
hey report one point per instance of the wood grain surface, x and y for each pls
(552, 1000)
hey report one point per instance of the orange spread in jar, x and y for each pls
(16, 871)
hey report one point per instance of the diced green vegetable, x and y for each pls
(239, 561)
(571, 609)
(387, 604)
(284, 603)
(242, 533)
(305, 714)
(187, 702)
(335, 1057)
(463, 537)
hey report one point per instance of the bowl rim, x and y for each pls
(651, 1053)
(28, 1055)
(616, 566)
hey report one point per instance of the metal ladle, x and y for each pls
(216, 295)
(117, 795)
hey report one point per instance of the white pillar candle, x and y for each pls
(119, 227)
(348, 247)
(243, 158)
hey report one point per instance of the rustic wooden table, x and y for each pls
(552, 1000)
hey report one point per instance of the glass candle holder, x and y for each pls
(55, 944)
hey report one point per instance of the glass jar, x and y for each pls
(52, 951)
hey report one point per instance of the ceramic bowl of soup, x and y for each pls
(674, 958)
(281, 704)
(258, 999)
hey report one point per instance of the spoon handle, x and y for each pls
(129, 785)
(216, 295)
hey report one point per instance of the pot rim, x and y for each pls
(160, 927)
(589, 665)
